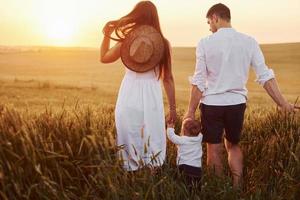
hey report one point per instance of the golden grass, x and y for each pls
(71, 154)
(57, 133)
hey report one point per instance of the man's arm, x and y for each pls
(272, 89)
(266, 77)
(195, 98)
(198, 81)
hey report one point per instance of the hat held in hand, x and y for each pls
(142, 49)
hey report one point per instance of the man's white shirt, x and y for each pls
(189, 149)
(223, 62)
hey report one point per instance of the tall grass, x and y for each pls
(71, 154)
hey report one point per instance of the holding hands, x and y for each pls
(189, 114)
(170, 124)
(172, 116)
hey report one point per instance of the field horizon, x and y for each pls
(61, 69)
(2, 46)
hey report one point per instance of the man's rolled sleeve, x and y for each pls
(263, 73)
(200, 74)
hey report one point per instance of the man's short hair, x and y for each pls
(220, 10)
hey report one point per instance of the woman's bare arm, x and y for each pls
(107, 54)
(168, 82)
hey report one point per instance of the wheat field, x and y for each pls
(57, 133)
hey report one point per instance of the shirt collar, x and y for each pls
(225, 29)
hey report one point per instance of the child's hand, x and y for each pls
(170, 124)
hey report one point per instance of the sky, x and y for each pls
(183, 22)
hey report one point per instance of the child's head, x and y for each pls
(191, 127)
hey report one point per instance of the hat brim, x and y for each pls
(158, 49)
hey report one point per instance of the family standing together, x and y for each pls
(218, 88)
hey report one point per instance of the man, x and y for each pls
(223, 62)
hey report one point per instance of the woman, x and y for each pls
(139, 113)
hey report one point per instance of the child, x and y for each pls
(189, 150)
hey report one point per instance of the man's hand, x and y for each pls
(287, 107)
(195, 97)
(272, 89)
(190, 115)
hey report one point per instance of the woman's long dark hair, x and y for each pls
(144, 13)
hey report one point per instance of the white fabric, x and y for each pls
(223, 62)
(189, 149)
(140, 120)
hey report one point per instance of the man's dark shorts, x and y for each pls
(216, 119)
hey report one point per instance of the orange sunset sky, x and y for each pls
(79, 22)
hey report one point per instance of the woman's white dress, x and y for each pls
(140, 121)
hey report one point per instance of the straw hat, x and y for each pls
(142, 49)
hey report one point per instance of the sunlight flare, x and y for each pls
(59, 21)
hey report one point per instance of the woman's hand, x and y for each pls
(109, 28)
(107, 54)
(172, 116)
(170, 124)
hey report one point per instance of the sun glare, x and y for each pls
(59, 32)
(59, 20)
